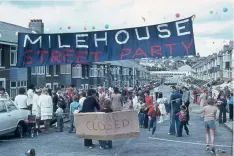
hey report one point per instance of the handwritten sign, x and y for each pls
(107, 126)
(155, 41)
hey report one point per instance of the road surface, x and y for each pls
(66, 144)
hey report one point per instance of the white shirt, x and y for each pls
(21, 101)
(30, 97)
(156, 89)
(81, 101)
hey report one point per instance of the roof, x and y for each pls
(8, 32)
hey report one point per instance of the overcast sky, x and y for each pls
(211, 31)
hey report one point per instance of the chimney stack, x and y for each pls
(36, 25)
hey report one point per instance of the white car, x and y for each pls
(12, 119)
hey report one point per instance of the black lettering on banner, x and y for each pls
(117, 124)
(108, 126)
(87, 125)
(114, 116)
(125, 123)
(101, 126)
(108, 118)
(94, 128)
(96, 117)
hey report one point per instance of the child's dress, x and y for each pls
(162, 109)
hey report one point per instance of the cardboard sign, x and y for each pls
(107, 126)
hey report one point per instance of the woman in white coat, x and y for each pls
(35, 108)
(46, 108)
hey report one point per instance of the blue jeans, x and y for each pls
(141, 117)
(174, 124)
(152, 124)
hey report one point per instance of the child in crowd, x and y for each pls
(183, 116)
(75, 106)
(104, 144)
(162, 108)
(209, 119)
(153, 113)
(59, 115)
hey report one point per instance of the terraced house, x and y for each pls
(218, 66)
(113, 73)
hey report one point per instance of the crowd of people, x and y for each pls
(45, 103)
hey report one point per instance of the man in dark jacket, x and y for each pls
(175, 103)
(89, 105)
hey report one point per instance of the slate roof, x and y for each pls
(8, 32)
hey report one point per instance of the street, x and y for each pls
(66, 144)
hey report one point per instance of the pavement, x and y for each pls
(68, 144)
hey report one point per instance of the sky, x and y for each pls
(211, 30)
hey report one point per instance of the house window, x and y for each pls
(101, 72)
(40, 70)
(1, 56)
(65, 69)
(33, 70)
(77, 71)
(13, 56)
(55, 70)
(47, 70)
(15, 86)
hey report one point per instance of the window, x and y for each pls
(1, 56)
(10, 105)
(33, 70)
(55, 70)
(14, 87)
(93, 71)
(40, 70)
(13, 56)
(47, 69)
(86, 86)
(77, 71)
(101, 72)
(2, 107)
(65, 69)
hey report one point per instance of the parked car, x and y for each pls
(12, 118)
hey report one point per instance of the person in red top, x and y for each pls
(148, 102)
(148, 99)
(70, 91)
(154, 114)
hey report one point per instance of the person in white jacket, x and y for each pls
(21, 99)
(35, 108)
(30, 94)
(46, 108)
(161, 102)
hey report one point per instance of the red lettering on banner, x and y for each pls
(95, 55)
(124, 52)
(55, 56)
(68, 53)
(156, 49)
(42, 54)
(30, 59)
(170, 47)
(187, 47)
(139, 52)
(80, 58)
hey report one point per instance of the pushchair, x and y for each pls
(31, 125)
